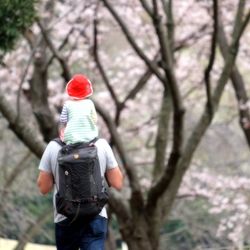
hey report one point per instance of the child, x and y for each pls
(78, 117)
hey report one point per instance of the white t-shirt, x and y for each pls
(49, 164)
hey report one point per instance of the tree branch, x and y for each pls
(178, 113)
(140, 84)
(212, 57)
(119, 205)
(132, 42)
(162, 135)
(39, 95)
(172, 86)
(194, 35)
(22, 128)
(22, 82)
(65, 68)
(232, 52)
(168, 6)
(147, 8)
(100, 67)
(136, 197)
(238, 85)
(171, 180)
(163, 41)
(178, 109)
(132, 94)
(64, 42)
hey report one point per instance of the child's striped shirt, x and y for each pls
(80, 119)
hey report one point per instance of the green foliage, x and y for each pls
(15, 17)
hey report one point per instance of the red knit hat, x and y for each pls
(79, 87)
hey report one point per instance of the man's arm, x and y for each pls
(45, 182)
(114, 178)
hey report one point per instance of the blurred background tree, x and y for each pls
(172, 100)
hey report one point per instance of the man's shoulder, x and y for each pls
(54, 144)
(101, 142)
(103, 146)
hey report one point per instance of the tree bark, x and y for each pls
(39, 95)
(23, 130)
(239, 87)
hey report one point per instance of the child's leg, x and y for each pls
(61, 132)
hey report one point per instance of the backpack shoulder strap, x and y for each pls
(92, 142)
(59, 141)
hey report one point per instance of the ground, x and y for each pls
(6, 244)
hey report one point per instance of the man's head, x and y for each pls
(79, 87)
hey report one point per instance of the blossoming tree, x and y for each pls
(153, 64)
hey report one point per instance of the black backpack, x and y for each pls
(82, 191)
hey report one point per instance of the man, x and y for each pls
(88, 234)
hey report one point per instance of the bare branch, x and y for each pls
(133, 43)
(168, 6)
(119, 205)
(100, 67)
(38, 92)
(136, 197)
(170, 181)
(64, 42)
(239, 16)
(22, 128)
(170, 23)
(171, 86)
(212, 57)
(162, 135)
(146, 7)
(243, 27)
(195, 36)
(30, 37)
(140, 84)
(39, 95)
(22, 82)
(65, 68)
(163, 41)
(178, 113)
(239, 86)
(230, 59)
(168, 67)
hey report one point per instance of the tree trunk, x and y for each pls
(110, 243)
(39, 94)
(142, 234)
(39, 85)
